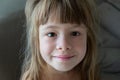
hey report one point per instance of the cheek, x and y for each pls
(80, 45)
(46, 46)
(81, 48)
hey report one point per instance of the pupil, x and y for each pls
(51, 34)
(74, 33)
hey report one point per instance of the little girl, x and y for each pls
(61, 42)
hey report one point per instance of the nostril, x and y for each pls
(68, 48)
(63, 48)
(60, 48)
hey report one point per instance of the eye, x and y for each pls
(75, 33)
(51, 34)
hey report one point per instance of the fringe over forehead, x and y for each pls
(67, 11)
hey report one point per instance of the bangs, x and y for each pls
(64, 11)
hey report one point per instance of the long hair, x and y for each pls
(69, 11)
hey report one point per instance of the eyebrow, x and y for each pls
(57, 27)
(51, 26)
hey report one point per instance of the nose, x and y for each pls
(63, 44)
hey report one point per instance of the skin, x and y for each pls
(62, 47)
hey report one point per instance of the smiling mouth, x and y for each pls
(63, 57)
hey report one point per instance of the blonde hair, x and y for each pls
(72, 11)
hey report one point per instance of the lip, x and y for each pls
(63, 57)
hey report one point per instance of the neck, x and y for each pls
(52, 74)
(64, 76)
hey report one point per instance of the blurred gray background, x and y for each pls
(11, 29)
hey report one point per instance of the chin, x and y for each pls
(63, 69)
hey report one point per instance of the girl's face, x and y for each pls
(62, 46)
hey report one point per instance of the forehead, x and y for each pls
(54, 20)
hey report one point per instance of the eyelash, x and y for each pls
(53, 34)
(75, 33)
